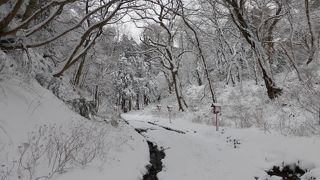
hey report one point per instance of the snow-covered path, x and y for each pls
(202, 153)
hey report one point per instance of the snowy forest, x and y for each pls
(160, 89)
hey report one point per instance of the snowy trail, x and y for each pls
(187, 155)
(202, 153)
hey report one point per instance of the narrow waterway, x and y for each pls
(156, 155)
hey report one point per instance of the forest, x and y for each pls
(126, 61)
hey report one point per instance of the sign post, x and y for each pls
(216, 109)
(158, 112)
(159, 107)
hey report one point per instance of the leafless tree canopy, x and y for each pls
(229, 39)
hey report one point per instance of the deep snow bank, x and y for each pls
(24, 106)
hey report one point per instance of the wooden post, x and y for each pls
(216, 109)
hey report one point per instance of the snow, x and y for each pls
(203, 153)
(43, 138)
(131, 157)
(26, 105)
(23, 106)
(200, 153)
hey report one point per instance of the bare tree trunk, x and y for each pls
(159, 98)
(269, 44)
(123, 105)
(182, 97)
(312, 38)
(169, 82)
(255, 71)
(232, 80)
(3, 2)
(177, 90)
(79, 71)
(199, 80)
(138, 101)
(272, 90)
(96, 98)
(4, 22)
(145, 100)
(130, 104)
(270, 51)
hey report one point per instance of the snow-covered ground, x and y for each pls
(26, 106)
(203, 153)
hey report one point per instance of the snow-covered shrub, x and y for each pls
(240, 108)
(261, 121)
(55, 149)
(243, 118)
(202, 116)
(295, 112)
(193, 96)
(305, 128)
(299, 107)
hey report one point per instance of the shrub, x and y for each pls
(55, 149)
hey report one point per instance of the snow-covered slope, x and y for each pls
(26, 106)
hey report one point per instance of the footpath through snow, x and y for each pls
(204, 154)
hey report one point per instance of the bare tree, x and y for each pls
(237, 10)
(87, 41)
(16, 33)
(198, 45)
(111, 9)
(164, 14)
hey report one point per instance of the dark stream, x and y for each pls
(156, 155)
